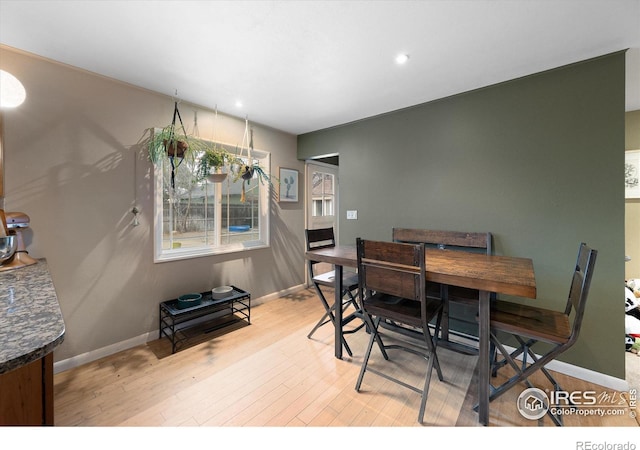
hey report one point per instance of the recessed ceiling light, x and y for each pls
(239, 104)
(402, 58)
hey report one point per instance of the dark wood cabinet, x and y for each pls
(26, 394)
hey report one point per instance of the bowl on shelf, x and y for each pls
(189, 300)
(221, 292)
(8, 245)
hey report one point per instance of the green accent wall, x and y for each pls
(538, 161)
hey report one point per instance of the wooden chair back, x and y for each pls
(320, 238)
(460, 303)
(392, 268)
(317, 239)
(445, 239)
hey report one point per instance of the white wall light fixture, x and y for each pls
(12, 92)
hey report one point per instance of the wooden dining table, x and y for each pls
(486, 273)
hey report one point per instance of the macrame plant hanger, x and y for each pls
(221, 175)
(247, 173)
(172, 145)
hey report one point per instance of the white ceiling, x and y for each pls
(301, 66)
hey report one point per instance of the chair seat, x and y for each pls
(529, 325)
(400, 309)
(527, 321)
(349, 279)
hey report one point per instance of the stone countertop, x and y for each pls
(31, 323)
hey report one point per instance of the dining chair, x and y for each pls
(460, 303)
(393, 287)
(530, 325)
(325, 238)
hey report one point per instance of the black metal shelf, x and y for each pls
(174, 322)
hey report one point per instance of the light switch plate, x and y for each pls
(352, 215)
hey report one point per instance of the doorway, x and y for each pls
(321, 197)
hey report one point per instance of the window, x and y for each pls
(196, 217)
(322, 194)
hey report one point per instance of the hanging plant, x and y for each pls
(167, 143)
(172, 142)
(247, 170)
(212, 162)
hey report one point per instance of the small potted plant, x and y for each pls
(246, 170)
(212, 162)
(167, 143)
(173, 141)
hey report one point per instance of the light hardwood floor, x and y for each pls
(268, 374)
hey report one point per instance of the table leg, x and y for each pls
(484, 364)
(338, 311)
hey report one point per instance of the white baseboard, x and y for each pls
(93, 355)
(88, 357)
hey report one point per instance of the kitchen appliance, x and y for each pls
(16, 222)
(8, 246)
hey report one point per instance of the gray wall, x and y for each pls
(538, 161)
(72, 163)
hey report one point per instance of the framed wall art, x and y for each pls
(288, 185)
(632, 174)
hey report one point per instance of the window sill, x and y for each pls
(186, 253)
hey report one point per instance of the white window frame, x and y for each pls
(173, 254)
